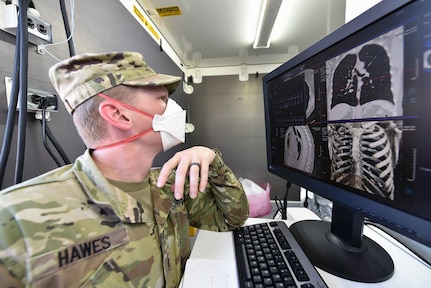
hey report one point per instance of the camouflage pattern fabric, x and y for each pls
(71, 228)
(83, 76)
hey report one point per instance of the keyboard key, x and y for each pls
(266, 273)
(276, 278)
(273, 270)
(288, 280)
(267, 281)
(301, 275)
(257, 279)
(255, 271)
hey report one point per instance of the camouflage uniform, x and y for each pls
(71, 228)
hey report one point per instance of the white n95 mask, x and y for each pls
(171, 124)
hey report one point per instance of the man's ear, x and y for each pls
(115, 115)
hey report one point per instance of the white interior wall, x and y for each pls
(355, 7)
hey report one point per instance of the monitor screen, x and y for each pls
(350, 119)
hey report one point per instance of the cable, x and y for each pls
(45, 143)
(72, 13)
(67, 28)
(279, 205)
(284, 212)
(72, 52)
(22, 119)
(57, 146)
(306, 199)
(46, 132)
(10, 121)
(19, 89)
(282, 204)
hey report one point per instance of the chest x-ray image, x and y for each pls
(364, 154)
(366, 82)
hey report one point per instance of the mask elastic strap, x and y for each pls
(128, 139)
(124, 141)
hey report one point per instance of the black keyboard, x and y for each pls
(268, 255)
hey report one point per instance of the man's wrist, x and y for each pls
(217, 163)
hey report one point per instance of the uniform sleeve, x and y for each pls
(12, 265)
(6, 278)
(223, 206)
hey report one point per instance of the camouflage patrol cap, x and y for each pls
(83, 76)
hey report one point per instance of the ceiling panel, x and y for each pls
(211, 34)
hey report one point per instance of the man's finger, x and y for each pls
(170, 165)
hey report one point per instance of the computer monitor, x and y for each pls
(350, 119)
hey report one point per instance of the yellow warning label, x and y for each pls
(169, 11)
(146, 22)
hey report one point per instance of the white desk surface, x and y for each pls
(409, 270)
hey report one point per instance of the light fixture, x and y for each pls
(268, 14)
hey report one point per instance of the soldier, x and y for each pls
(109, 219)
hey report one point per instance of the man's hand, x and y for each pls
(192, 162)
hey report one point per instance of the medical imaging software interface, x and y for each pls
(354, 115)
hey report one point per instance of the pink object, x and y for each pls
(258, 198)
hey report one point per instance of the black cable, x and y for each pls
(279, 205)
(284, 212)
(46, 132)
(45, 143)
(282, 204)
(67, 28)
(22, 119)
(10, 120)
(57, 145)
(306, 199)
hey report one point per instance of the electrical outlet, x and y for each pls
(39, 31)
(39, 28)
(36, 99)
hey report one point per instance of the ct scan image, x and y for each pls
(367, 81)
(364, 155)
(299, 148)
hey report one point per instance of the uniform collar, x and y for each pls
(114, 201)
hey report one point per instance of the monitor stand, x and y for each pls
(339, 247)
